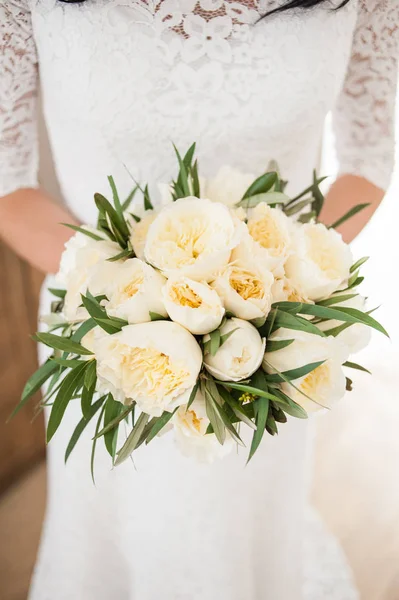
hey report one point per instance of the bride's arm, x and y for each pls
(364, 118)
(29, 220)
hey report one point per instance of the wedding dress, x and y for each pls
(121, 80)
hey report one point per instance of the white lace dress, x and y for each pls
(120, 80)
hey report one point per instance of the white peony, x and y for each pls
(156, 364)
(357, 336)
(272, 231)
(245, 290)
(320, 261)
(283, 290)
(325, 384)
(240, 355)
(228, 186)
(133, 289)
(191, 237)
(81, 254)
(139, 232)
(190, 433)
(192, 304)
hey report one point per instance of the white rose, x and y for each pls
(325, 384)
(240, 355)
(192, 304)
(139, 232)
(133, 289)
(191, 237)
(320, 261)
(190, 433)
(272, 231)
(357, 336)
(81, 254)
(156, 364)
(245, 290)
(228, 186)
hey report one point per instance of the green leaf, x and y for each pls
(289, 321)
(64, 395)
(132, 440)
(268, 198)
(215, 341)
(129, 199)
(351, 213)
(61, 343)
(318, 198)
(260, 420)
(89, 387)
(336, 299)
(57, 293)
(115, 220)
(349, 384)
(157, 317)
(193, 394)
(68, 363)
(124, 254)
(83, 329)
(251, 389)
(112, 424)
(81, 427)
(188, 158)
(115, 196)
(294, 373)
(334, 331)
(147, 201)
(213, 415)
(310, 189)
(91, 374)
(195, 180)
(90, 234)
(293, 209)
(271, 426)
(94, 444)
(182, 180)
(225, 336)
(160, 424)
(236, 407)
(342, 313)
(359, 263)
(307, 217)
(112, 410)
(278, 414)
(274, 345)
(353, 365)
(261, 185)
(33, 384)
(228, 424)
(99, 314)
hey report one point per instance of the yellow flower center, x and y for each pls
(265, 230)
(316, 379)
(134, 285)
(189, 239)
(182, 294)
(246, 284)
(151, 373)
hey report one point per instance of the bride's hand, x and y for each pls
(345, 193)
(30, 223)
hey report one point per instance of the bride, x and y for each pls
(250, 81)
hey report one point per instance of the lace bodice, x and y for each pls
(122, 78)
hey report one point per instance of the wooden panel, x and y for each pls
(21, 441)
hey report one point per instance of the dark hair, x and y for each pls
(287, 6)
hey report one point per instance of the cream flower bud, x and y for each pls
(190, 428)
(191, 237)
(325, 385)
(272, 230)
(139, 232)
(245, 290)
(320, 262)
(357, 336)
(192, 304)
(133, 289)
(156, 364)
(228, 186)
(240, 355)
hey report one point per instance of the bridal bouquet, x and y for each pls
(228, 306)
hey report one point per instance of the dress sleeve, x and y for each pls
(364, 118)
(18, 95)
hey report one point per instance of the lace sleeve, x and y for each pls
(18, 91)
(364, 116)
